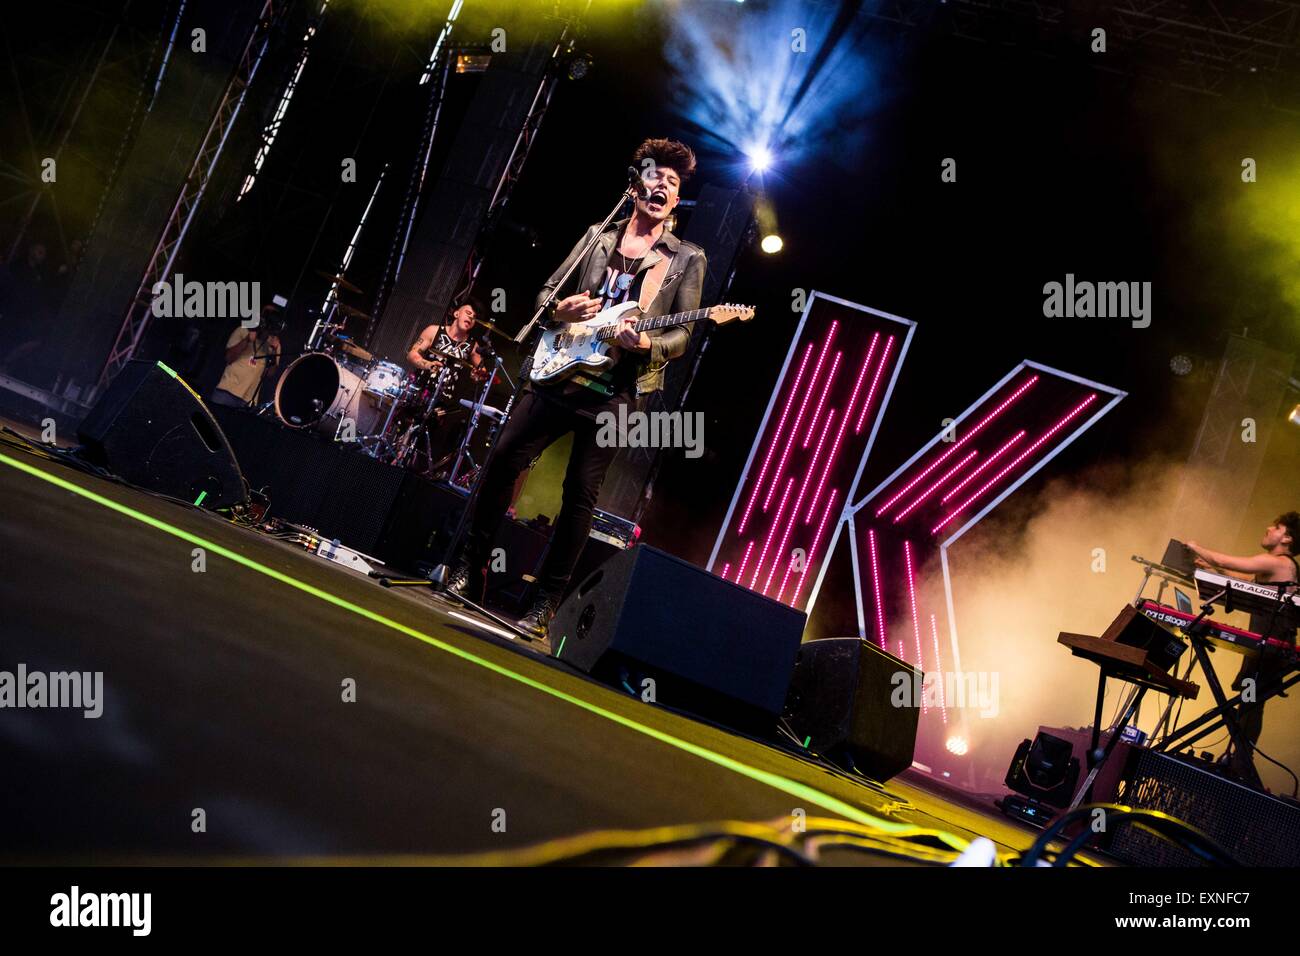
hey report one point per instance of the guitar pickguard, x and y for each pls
(564, 350)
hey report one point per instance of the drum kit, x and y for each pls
(416, 421)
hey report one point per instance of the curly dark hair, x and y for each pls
(666, 152)
(1291, 521)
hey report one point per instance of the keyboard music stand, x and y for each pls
(1126, 663)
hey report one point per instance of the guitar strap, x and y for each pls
(654, 281)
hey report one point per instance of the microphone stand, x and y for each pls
(438, 578)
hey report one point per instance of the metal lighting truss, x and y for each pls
(139, 312)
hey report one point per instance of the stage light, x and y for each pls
(957, 745)
(579, 66)
(765, 223)
(1294, 417)
(738, 88)
(1181, 365)
(760, 158)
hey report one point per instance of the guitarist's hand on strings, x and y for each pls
(629, 337)
(577, 308)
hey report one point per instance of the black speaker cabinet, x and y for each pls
(1257, 829)
(709, 646)
(150, 429)
(841, 701)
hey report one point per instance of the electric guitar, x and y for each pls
(579, 346)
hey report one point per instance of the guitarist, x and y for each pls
(635, 258)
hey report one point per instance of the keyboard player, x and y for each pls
(1275, 564)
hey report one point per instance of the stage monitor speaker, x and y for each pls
(1257, 829)
(150, 429)
(841, 703)
(710, 646)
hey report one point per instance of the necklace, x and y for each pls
(630, 267)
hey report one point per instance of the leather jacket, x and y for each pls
(680, 292)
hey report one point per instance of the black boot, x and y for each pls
(468, 581)
(537, 622)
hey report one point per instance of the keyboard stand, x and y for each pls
(1225, 711)
(1128, 664)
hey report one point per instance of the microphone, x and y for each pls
(636, 183)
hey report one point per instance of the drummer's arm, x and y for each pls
(415, 357)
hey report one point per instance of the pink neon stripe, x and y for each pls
(901, 656)
(935, 485)
(776, 437)
(911, 593)
(957, 444)
(771, 533)
(875, 583)
(1018, 459)
(875, 380)
(794, 512)
(812, 552)
(798, 419)
(938, 668)
(726, 569)
(953, 492)
(830, 383)
(740, 572)
(839, 437)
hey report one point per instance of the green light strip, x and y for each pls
(199, 499)
(793, 788)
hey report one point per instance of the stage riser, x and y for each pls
(381, 510)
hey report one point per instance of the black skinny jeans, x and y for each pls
(535, 423)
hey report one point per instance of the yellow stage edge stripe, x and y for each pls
(792, 788)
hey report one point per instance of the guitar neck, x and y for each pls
(656, 322)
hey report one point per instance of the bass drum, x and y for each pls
(317, 391)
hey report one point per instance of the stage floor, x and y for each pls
(224, 692)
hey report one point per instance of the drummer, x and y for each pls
(454, 339)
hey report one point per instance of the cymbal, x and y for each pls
(352, 313)
(348, 347)
(342, 282)
(357, 352)
(492, 328)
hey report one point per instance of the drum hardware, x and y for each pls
(480, 409)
